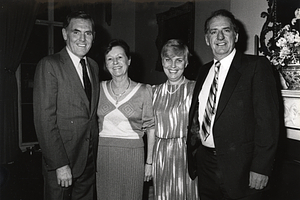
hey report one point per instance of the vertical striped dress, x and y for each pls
(171, 104)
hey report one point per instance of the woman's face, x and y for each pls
(117, 62)
(174, 67)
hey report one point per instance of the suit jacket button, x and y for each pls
(72, 122)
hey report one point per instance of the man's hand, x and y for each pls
(64, 176)
(258, 181)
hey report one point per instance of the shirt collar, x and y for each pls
(75, 59)
(228, 59)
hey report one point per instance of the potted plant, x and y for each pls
(285, 55)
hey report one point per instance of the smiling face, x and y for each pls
(79, 36)
(174, 66)
(117, 61)
(221, 36)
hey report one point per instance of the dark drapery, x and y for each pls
(17, 18)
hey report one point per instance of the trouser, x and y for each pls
(210, 178)
(82, 188)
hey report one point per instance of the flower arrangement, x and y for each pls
(287, 49)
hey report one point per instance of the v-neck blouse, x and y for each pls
(130, 117)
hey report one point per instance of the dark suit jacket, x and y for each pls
(64, 124)
(246, 126)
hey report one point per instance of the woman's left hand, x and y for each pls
(148, 172)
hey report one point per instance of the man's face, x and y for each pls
(221, 37)
(79, 36)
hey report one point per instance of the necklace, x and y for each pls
(119, 95)
(172, 92)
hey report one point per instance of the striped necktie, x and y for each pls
(86, 80)
(210, 108)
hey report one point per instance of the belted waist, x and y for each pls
(173, 138)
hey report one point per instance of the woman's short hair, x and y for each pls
(118, 42)
(175, 47)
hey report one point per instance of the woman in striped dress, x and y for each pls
(171, 103)
(125, 112)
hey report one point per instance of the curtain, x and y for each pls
(17, 18)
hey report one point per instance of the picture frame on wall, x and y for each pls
(176, 23)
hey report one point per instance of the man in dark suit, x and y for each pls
(66, 93)
(233, 125)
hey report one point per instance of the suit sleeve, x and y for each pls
(266, 111)
(45, 118)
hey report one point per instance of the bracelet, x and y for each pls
(148, 163)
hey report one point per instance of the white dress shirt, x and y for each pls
(76, 61)
(203, 95)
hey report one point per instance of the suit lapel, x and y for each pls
(72, 75)
(230, 83)
(94, 85)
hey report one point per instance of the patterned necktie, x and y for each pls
(86, 80)
(210, 108)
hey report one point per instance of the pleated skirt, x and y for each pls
(120, 170)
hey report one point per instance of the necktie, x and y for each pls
(210, 108)
(86, 80)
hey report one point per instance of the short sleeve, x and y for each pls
(147, 113)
